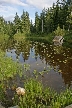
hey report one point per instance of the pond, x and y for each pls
(53, 63)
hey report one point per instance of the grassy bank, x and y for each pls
(35, 37)
(48, 37)
(42, 36)
(8, 69)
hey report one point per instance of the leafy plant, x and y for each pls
(59, 31)
(35, 97)
(63, 99)
(8, 68)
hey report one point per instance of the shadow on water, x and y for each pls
(53, 63)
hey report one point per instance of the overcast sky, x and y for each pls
(8, 8)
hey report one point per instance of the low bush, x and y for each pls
(59, 32)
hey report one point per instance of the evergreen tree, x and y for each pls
(69, 2)
(37, 22)
(69, 21)
(17, 23)
(25, 22)
(10, 29)
(2, 24)
(23, 18)
(48, 21)
(31, 27)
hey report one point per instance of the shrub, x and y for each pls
(35, 97)
(8, 68)
(59, 31)
(63, 99)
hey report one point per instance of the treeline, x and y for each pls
(19, 24)
(48, 20)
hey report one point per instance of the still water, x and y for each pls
(53, 63)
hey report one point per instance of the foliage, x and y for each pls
(25, 22)
(17, 23)
(3, 37)
(35, 97)
(68, 37)
(1, 92)
(2, 24)
(63, 99)
(59, 31)
(45, 23)
(69, 21)
(19, 36)
(8, 68)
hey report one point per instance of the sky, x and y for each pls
(8, 8)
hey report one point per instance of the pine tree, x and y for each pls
(23, 18)
(37, 22)
(25, 22)
(17, 23)
(2, 24)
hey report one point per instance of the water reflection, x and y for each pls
(40, 56)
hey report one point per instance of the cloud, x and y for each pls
(8, 12)
(15, 2)
(10, 7)
(7, 9)
(37, 3)
(41, 3)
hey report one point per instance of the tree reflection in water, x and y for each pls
(40, 55)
